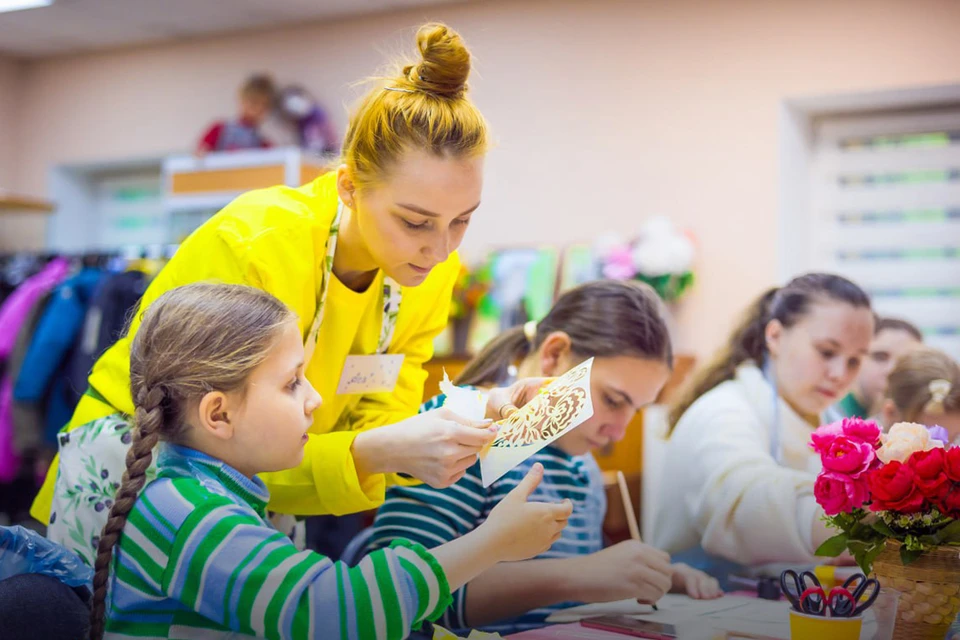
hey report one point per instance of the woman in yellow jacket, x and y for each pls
(365, 256)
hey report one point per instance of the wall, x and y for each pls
(14, 227)
(10, 76)
(605, 111)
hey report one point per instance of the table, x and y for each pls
(729, 617)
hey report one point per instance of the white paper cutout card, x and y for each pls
(559, 408)
(466, 403)
(370, 374)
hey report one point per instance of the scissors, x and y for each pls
(807, 595)
(864, 593)
(803, 590)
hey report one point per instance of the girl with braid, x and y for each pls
(217, 379)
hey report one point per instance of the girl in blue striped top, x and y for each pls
(621, 326)
(216, 373)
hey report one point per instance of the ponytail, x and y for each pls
(490, 367)
(748, 342)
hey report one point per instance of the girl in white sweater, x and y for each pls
(738, 474)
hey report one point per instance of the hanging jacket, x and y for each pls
(27, 417)
(42, 377)
(113, 301)
(13, 314)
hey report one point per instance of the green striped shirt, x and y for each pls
(198, 559)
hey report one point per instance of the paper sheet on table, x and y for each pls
(439, 633)
(672, 607)
(560, 407)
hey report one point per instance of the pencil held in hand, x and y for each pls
(628, 510)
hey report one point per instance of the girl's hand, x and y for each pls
(695, 583)
(520, 529)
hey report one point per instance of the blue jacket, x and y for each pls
(57, 333)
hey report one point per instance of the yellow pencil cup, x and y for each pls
(807, 627)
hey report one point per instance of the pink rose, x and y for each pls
(822, 436)
(839, 493)
(619, 265)
(848, 456)
(852, 428)
(862, 430)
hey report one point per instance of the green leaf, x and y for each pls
(882, 527)
(832, 547)
(907, 556)
(866, 554)
(950, 533)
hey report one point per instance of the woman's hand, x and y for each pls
(436, 447)
(502, 402)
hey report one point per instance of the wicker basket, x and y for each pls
(930, 588)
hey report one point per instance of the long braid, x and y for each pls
(149, 420)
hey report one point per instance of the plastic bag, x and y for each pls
(25, 551)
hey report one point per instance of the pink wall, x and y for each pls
(10, 77)
(606, 111)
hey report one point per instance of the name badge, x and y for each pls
(370, 374)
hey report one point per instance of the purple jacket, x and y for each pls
(13, 314)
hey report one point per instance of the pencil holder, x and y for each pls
(809, 627)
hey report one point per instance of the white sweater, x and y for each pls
(722, 488)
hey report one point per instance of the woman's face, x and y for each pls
(816, 360)
(415, 218)
(619, 387)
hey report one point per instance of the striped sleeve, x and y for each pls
(432, 517)
(226, 565)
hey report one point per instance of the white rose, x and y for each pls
(903, 440)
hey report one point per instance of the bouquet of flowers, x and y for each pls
(662, 256)
(903, 485)
(468, 292)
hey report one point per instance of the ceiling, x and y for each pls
(71, 26)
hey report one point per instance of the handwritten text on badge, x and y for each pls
(370, 374)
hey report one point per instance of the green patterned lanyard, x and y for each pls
(391, 296)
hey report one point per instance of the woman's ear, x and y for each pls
(773, 335)
(214, 415)
(554, 354)
(346, 189)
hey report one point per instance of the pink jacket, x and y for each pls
(13, 314)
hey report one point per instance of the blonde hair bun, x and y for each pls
(445, 62)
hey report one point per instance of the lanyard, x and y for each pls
(391, 296)
(776, 448)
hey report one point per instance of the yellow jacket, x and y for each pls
(275, 239)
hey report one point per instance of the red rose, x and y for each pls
(928, 467)
(893, 488)
(951, 463)
(950, 504)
